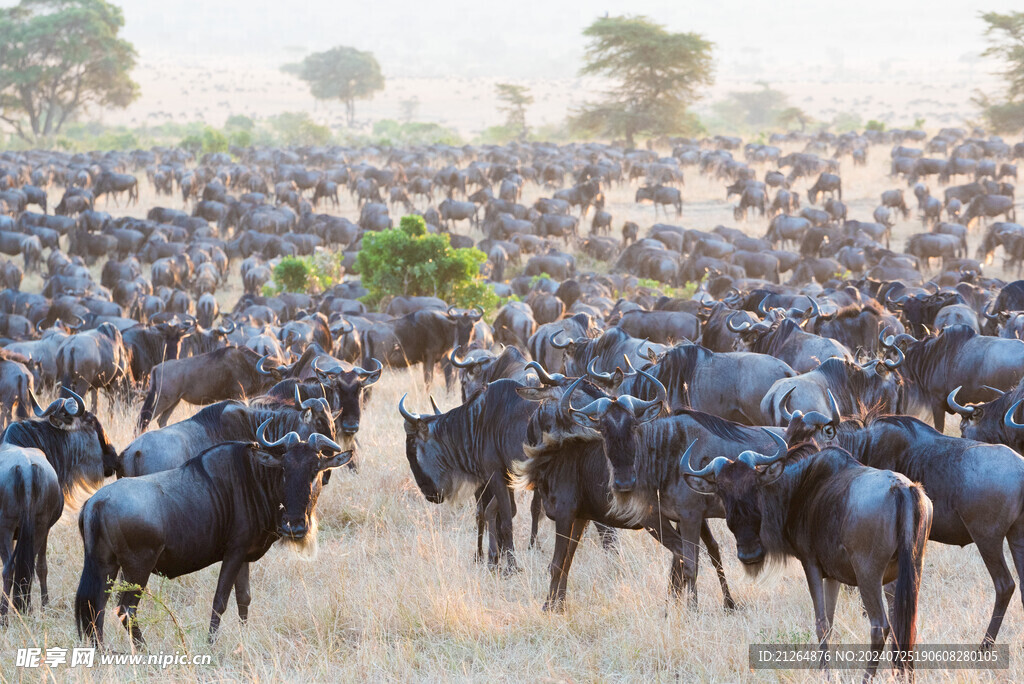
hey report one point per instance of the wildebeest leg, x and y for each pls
(6, 550)
(96, 400)
(41, 569)
(536, 509)
(243, 595)
(715, 553)
(166, 414)
(991, 550)
(831, 597)
(483, 498)
(870, 585)
(815, 586)
(689, 533)
(229, 570)
(506, 512)
(566, 540)
(136, 572)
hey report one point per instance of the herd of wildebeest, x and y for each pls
(781, 395)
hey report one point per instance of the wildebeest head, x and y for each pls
(86, 441)
(302, 465)
(345, 388)
(737, 483)
(464, 322)
(420, 449)
(812, 426)
(617, 419)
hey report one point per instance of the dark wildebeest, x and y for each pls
(957, 357)
(228, 505)
(661, 195)
(871, 386)
(663, 327)
(570, 473)
(228, 373)
(480, 367)
(46, 463)
(700, 379)
(92, 360)
(425, 337)
(473, 445)
(977, 489)
(785, 340)
(827, 182)
(845, 522)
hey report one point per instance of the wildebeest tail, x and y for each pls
(92, 585)
(146, 414)
(18, 573)
(23, 403)
(913, 522)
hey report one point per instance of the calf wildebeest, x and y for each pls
(845, 522)
(241, 498)
(957, 357)
(977, 489)
(228, 373)
(46, 463)
(570, 473)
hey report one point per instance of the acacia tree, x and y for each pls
(515, 99)
(657, 75)
(58, 57)
(1006, 42)
(341, 73)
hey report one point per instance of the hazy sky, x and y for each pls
(536, 38)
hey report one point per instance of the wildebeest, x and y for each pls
(827, 182)
(845, 522)
(663, 195)
(228, 505)
(977, 489)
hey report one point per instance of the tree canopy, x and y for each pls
(514, 101)
(1005, 33)
(758, 110)
(657, 76)
(58, 57)
(341, 73)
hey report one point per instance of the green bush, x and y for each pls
(292, 274)
(410, 261)
(875, 125)
(214, 141)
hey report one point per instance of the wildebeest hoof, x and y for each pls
(554, 606)
(729, 604)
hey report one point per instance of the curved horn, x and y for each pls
(760, 306)
(365, 375)
(708, 472)
(433, 405)
(410, 417)
(592, 371)
(900, 357)
(287, 441)
(957, 408)
(224, 329)
(298, 396)
(323, 443)
(35, 405)
(784, 405)
(459, 363)
(451, 309)
(1008, 420)
(994, 389)
(833, 406)
(555, 344)
(477, 314)
(565, 403)
(736, 328)
(260, 365)
(79, 403)
(884, 339)
(754, 459)
(545, 377)
(813, 311)
(315, 403)
(989, 316)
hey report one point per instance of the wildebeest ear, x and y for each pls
(700, 485)
(336, 461)
(266, 459)
(536, 393)
(772, 472)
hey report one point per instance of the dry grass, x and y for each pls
(396, 595)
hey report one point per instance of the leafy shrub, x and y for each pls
(292, 274)
(410, 261)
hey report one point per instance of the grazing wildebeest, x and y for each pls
(827, 182)
(228, 505)
(977, 488)
(845, 522)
